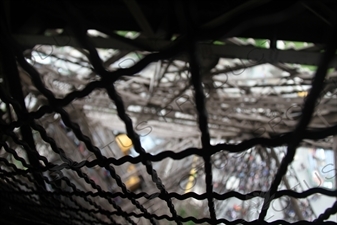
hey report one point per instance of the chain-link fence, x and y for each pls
(41, 190)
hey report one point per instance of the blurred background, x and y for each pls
(255, 84)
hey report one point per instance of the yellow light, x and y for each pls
(192, 177)
(124, 143)
(302, 93)
(132, 183)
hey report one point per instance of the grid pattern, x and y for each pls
(27, 187)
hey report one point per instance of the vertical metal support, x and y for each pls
(273, 43)
(137, 13)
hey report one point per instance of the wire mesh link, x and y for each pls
(203, 126)
(94, 58)
(106, 82)
(30, 195)
(25, 174)
(308, 110)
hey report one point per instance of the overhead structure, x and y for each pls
(170, 112)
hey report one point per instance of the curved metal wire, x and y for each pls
(291, 139)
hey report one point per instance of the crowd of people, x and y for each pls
(253, 173)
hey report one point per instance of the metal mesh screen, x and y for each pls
(25, 190)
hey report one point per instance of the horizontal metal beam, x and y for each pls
(207, 50)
